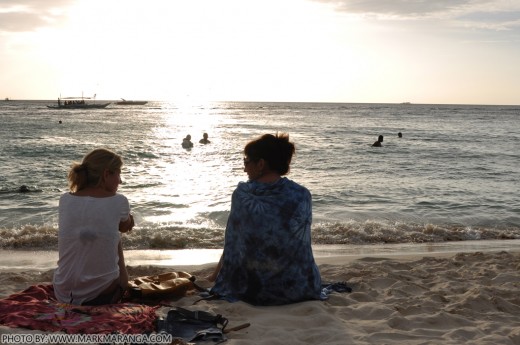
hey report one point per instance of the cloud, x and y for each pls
(396, 8)
(498, 20)
(482, 14)
(30, 15)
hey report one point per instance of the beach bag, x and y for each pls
(166, 284)
(198, 326)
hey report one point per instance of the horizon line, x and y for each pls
(406, 103)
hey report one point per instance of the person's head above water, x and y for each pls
(378, 142)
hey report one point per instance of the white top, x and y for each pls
(88, 240)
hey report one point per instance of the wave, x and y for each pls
(166, 236)
(378, 232)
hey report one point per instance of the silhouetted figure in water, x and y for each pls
(186, 142)
(400, 135)
(204, 139)
(378, 142)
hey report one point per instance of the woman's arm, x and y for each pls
(123, 273)
(214, 275)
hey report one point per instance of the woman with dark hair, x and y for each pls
(91, 266)
(267, 258)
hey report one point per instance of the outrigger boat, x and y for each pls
(77, 103)
(125, 102)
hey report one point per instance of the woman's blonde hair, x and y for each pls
(90, 171)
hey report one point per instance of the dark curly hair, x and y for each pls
(276, 150)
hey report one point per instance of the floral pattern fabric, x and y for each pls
(268, 257)
(37, 308)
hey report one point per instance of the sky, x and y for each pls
(361, 51)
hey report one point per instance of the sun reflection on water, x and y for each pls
(189, 181)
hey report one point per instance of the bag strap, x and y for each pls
(197, 286)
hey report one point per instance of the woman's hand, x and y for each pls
(127, 225)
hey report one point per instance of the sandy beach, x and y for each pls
(439, 297)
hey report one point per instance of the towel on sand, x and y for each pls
(37, 308)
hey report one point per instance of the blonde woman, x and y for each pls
(92, 215)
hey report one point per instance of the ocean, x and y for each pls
(453, 176)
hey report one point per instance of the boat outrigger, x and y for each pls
(126, 102)
(78, 103)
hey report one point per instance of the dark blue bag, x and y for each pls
(199, 327)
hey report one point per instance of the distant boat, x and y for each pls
(125, 102)
(7, 99)
(78, 103)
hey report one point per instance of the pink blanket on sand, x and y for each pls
(37, 308)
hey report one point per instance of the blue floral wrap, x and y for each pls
(268, 257)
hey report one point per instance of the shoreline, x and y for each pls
(22, 260)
